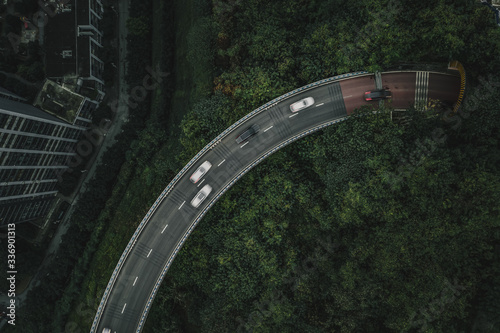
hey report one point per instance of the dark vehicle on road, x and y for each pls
(249, 132)
(376, 95)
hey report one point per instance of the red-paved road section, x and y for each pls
(402, 86)
(353, 91)
(438, 81)
(444, 87)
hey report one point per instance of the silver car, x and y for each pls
(202, 195)
(302, 104)
(200, 172)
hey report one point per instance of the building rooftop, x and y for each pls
(26, 109)
(67, 40)
(60, 45)
(59, 101)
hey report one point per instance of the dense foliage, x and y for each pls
(324, 237)
(368, 226)
(21, 58)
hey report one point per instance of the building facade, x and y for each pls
(37, 142)
(35, 147)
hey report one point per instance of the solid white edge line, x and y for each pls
(244, 144)
(124, 307)
(164, 228)
(135, 280)
(149, 253)
(267, 129)
(181, 204)
(200, 182)
(221, 162)
(293, 115)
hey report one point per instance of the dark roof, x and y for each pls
(82, 10)
(83, 56)
(26, 109)
(60, 35)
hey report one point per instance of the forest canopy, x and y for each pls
(368, 226)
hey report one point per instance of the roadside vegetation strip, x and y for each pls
(169, 187)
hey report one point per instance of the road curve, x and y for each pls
(166, 226)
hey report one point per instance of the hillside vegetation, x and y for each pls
(367, 226)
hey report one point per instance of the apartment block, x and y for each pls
(73, 43)
(38, 142)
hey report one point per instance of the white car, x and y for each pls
(200, 172)
(302, 104)
(202, 195)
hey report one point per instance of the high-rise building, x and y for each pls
(38, 142)
(35, 147)
(73, 43)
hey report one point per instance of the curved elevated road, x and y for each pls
(142, 267)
